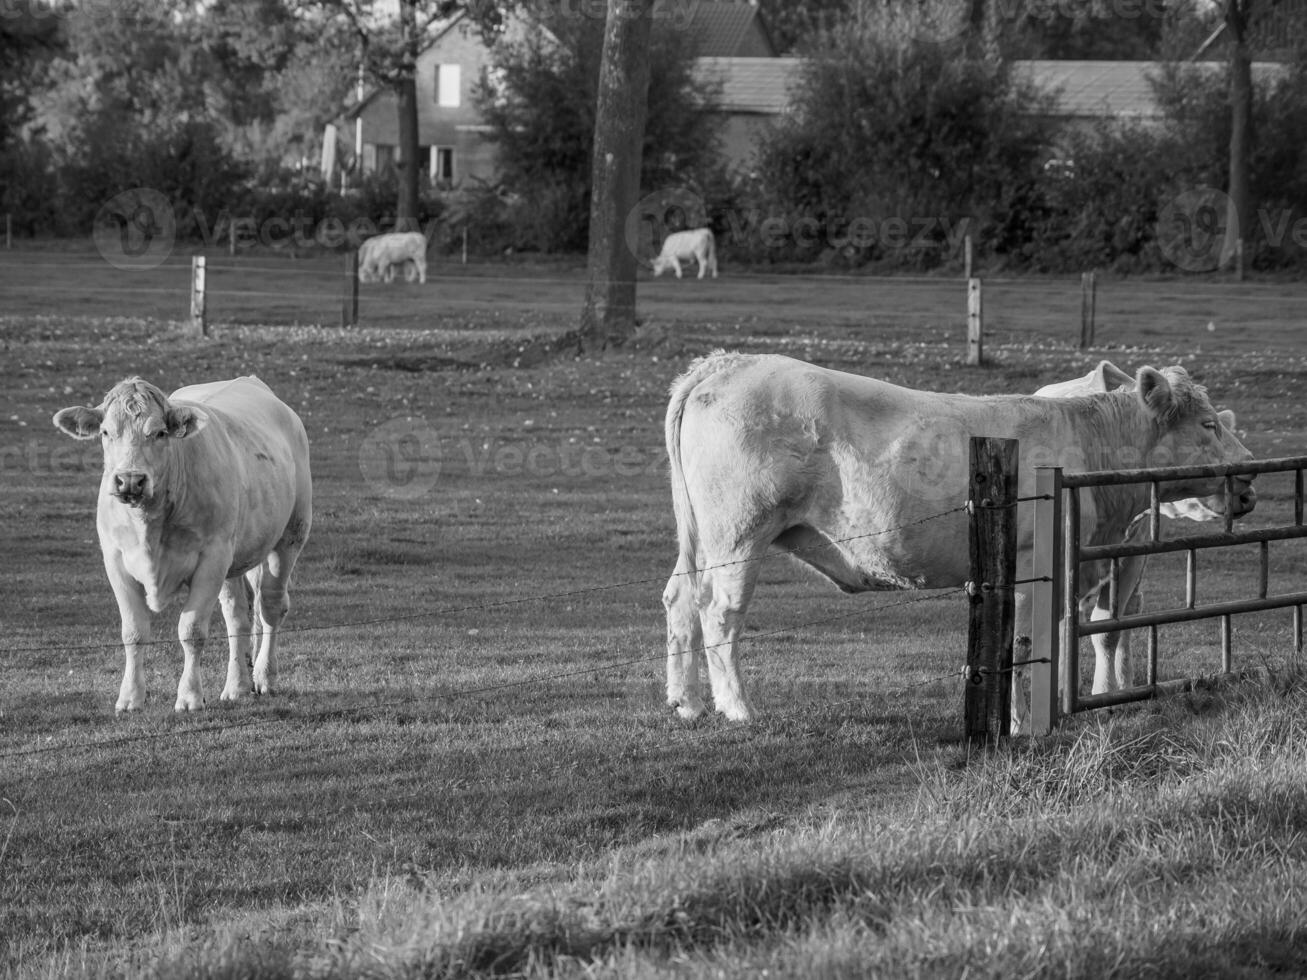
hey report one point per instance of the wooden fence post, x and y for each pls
(993, 538)
(966, 247)
(975, 324)
(349, 304)
(1046, 600)
(9, 230)
(465, 244)
(1088, 303)
(198, 321)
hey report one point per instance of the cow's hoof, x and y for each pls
(686, 710)
(189, 704)
(739, 712)
(233, 693)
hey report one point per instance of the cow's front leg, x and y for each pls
(1019, 721)
(135, 617)
(193, 631)
(235, 599)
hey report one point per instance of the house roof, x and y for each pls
(1122, 89)
(1083, 89)
(720, 27)
(753, 85)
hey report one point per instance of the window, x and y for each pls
(448, 78)
(385, 156)
(442, 163)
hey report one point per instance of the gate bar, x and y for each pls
(1101, 552)
(1189, 615)
(1111, 478)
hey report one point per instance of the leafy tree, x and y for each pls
(540, 101)
(388, 47)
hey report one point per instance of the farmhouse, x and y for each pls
(452, 136)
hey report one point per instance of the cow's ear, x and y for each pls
(79, 421)
(1111, 377)
(185, 420)
(1154, 390)
(1227, 418)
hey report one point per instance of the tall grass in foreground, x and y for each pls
(1168, 841)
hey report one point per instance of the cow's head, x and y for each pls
(136, 425)
(1190, 432)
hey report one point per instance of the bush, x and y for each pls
(907, 136)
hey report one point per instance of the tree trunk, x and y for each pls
(406, 207)
(609, 315)
(1238, 222)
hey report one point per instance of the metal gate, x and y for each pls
(1056, 627)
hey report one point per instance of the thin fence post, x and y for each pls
(349, 305)
(9, 230)
(465, 244)
(975, 324)
(992, 613)
(966, 247)
(1238, 258)
(1088, 304)
(231, 237)
(1045, 600)
(198, 321)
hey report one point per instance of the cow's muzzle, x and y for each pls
(1243, 499)
(131, 488)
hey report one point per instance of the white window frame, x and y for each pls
(449, 80)
(437, 152)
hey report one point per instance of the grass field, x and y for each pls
(470, 770)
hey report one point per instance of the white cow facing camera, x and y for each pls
(206, 494)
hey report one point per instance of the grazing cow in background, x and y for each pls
(380, 254)
(1112, 666)
(207, 493)
(865, 481)
(682, 246)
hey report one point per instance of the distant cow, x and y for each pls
(380, 254)
(1112, 667)
(682, 246)
(206, 493)
(865, 482)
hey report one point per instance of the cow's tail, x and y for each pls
(687, 527)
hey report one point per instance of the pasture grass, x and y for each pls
(469, 770)
(1163, 841)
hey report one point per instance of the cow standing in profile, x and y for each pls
(206, 493)
(865, 482)
(380, 255)
(684, 246)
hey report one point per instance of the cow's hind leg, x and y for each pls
(728, 589)
(272, 602)
(235, 600)
(684, 641)
(193, 631)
